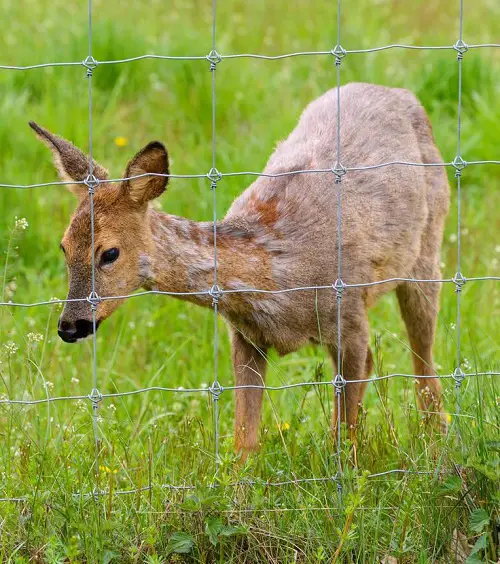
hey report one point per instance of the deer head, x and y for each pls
(123, 243)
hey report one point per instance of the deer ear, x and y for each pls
(71, 164)
(149, 162)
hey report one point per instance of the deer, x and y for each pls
(281, 233)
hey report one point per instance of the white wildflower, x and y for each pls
(452, 238)
(80, 404)
(21, 223)
(34, 337)
(75, 380)
(48, 385)
(10, 289)
(10, 348)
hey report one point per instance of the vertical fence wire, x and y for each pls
(215, 177)
(339, 382)
(93, 297)
(459, 278)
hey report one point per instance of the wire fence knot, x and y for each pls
(216, 293)
(459, 376)
(339, 383)
(94, 300)
(461, 48)
(216, 390)
(90, 64)
(339, 53)
(214, 176)
(214, 58)
(339, 170)
(91, 182)
(95, 397)
(339, 286)
(458, 164)
(460, 281)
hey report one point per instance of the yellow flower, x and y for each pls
(448, 417)
(107, 470)
(121, 141)
(285, 426)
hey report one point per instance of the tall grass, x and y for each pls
(47, 451)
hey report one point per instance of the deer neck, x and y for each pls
(183, 258)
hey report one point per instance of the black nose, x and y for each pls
(71, 332)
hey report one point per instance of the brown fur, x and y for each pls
(282, 233)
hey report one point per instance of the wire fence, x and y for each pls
(338, 383)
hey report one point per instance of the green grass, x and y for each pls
(47, 451)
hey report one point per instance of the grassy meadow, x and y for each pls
(157, 438)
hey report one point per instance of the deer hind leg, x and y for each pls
(249, 366)
(419, 305)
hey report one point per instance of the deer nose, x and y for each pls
(72, 332)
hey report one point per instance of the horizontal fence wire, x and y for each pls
(360, 168)
(221, 388)
(223, 292)
(239, 483)
(248, 55)
(214, 176)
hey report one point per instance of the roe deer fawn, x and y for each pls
(281, 233)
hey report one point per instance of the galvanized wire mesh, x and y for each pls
(338, 383)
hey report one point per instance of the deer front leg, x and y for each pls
(249, 366)
(356, 364)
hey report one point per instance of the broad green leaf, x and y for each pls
(230, 531)
(181, 543)
(479, 519)
(474, 559)
(480, 545)
(191, 503)
(213, 527)
(109, 556)
(452, 485)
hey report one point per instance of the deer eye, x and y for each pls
(110, 256)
